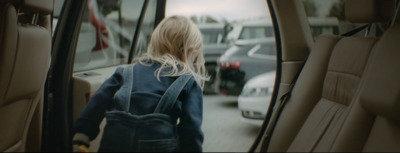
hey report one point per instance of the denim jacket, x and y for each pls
(146, 92)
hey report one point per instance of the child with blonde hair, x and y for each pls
(155, 104)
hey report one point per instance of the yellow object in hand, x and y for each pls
(83, 148)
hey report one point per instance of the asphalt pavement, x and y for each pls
(223, 130)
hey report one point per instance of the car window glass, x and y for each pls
(146, 29)
(328, 17)
(323, 16)
(58, 4)
(107, 30)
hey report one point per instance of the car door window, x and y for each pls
(107, 32)
(58, 4)
(328, 17)
(146, 29)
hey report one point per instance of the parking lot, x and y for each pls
(223, 130)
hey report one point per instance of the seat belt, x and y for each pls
(278, 109)
(354, 31)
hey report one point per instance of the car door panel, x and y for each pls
(85, 84)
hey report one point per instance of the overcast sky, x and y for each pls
(228, 9)
(219, 9)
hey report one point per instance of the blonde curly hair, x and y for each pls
(177, 44)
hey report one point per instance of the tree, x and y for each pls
(337, 10)
(194, 19)
(209, 19)
(309, 6)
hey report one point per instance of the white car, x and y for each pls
(255, 98)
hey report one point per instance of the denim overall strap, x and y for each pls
(168, 100)
(126, 88)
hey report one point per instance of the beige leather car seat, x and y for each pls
(25, 46)
(373, 124)
(380, 96)
(315, 114)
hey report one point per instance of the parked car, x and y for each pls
(244, 60)
(255, 98)
(251, 30)
(215, 43)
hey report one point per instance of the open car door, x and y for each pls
(91, 39)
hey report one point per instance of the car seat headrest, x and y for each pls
(381, 93)
(369, 11)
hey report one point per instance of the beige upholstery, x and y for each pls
(327, 116)
(374, 123)
(24, 62)
(342, 79)
(381, 96)
(302, 101)
(369, 11)
(328, 100)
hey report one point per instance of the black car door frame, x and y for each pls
(57, 114)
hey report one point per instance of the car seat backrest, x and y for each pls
(305, 94)
(374, 122)
(25, 46)
(345, 69)
(325, 126)
(313, 117)
(381, 95)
